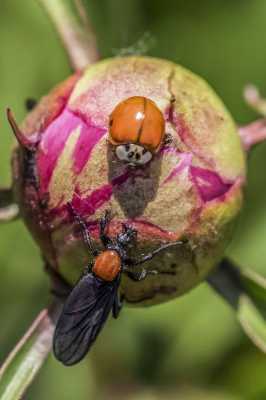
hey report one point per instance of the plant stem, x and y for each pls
(25, 360)
(245, 291)
(76, 33)
(253, 133)
(254, 99)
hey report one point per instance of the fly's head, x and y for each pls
(127, 237)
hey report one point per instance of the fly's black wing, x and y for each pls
(84, 314)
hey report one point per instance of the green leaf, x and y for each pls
(245, 291)
(252, 307)
(252, 322)
(25, 360)
(255, 285)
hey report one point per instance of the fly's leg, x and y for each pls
(84, 230)
(60, 288)
(153, 253)
(87, 270)
(138, 275)
(103, 225)
(118, 304)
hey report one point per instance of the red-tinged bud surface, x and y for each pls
(192, 188)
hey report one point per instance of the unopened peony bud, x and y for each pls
(191, 190)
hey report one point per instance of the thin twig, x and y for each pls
(255, 132)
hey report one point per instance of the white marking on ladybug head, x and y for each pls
(133, 154)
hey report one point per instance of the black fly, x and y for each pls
(96, 293)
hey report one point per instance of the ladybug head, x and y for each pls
(133, 154)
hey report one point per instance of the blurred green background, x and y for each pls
(191, 348)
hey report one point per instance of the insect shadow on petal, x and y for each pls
(96, 293)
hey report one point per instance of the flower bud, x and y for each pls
(191, 190)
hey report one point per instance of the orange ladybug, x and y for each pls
(137, 129)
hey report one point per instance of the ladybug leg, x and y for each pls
(153, 253)
(168, 139)
(105, 239)
(84, 230)
(118, 304)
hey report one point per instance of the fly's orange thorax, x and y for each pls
(137, 120)
(107, 265)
